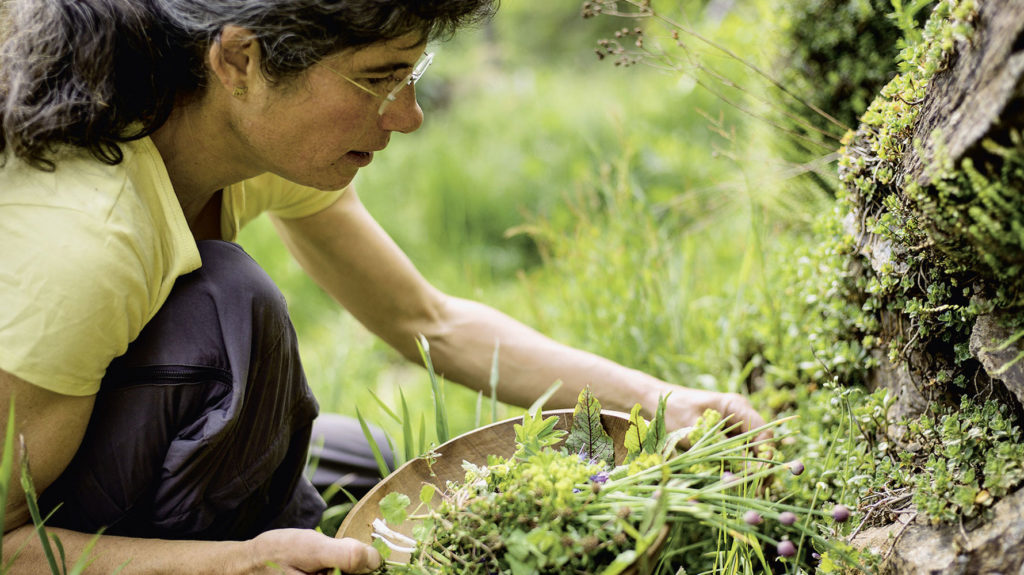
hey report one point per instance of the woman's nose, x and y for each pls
(404, 114)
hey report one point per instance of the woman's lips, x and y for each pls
(360, 159)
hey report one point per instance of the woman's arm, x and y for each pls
(52, 426)
(350, 256)
(282, 551)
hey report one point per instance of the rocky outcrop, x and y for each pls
(970, 118)
(999, 353)
(987, 546)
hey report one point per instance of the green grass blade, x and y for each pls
(409, 448)
(6, 463)
(312, 459)
(440, 412)
(759, 553)
(381, 464)
(494, 383)
(33, 508)
(423, 434)
(60, 552)
(537, 405)
(477, 410)
(385, 407)
(348, 495)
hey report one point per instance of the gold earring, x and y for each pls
(239, 91)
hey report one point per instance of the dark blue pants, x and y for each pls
(201, 429)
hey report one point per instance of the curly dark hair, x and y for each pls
(94, 73)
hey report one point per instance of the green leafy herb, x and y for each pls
(657, 433)
(535, 433)
(393, 507)
(427, 493)
(588, 439)
(634, 439)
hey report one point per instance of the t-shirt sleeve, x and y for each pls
(272, 194)
(73, 297)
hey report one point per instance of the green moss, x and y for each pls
(949, 251)
(975, 217)
(927, 284)
(973, 459)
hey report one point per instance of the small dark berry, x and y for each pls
(787, 518)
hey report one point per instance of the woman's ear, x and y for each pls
(234, 59)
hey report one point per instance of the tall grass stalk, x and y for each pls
(378, 456)
(33, 507)
(6, 467)
(440, 408)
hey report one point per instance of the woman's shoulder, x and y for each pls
(85, 266)
(86, 220)
(132, 200)
(77, 182)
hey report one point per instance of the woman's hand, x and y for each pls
(304, 552)
(685, 405)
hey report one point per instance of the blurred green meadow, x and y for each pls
(633, 211)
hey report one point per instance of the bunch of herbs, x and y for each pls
(560, 504)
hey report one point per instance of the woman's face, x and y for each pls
(319, 129)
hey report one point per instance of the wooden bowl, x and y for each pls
(474, 447)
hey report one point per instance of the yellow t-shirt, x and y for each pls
(89, 253)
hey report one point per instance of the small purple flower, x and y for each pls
(585, 457)
(786, 548)
(599, 477)
(752, 517)
(787, 518)
(796, 467)
(840, 513)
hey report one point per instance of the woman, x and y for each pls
(152, 365)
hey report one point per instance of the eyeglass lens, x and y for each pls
(412, 78)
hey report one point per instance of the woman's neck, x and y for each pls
(194, 154)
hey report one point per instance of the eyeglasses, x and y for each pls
(389, 85)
